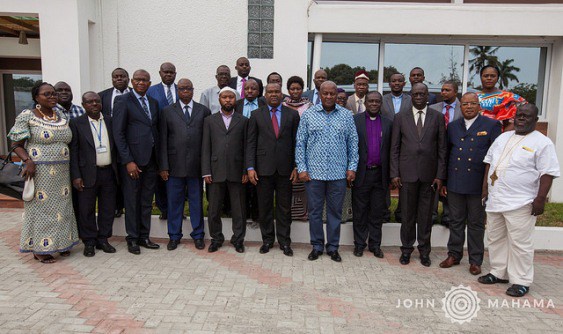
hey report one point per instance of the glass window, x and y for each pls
(439, 62)
(22, 91)
(342, 60)
(522, 69)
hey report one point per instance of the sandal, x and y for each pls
(44, 258)
(491, 279)
(517, 290)
(65, 254)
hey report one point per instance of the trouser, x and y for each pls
(266, 187)
(368, 206)
(333, 192)
(416, 207)
(511, 246)
(160, 197)
(104, 190)
(176, 193)
(466, 208)
(236, 191)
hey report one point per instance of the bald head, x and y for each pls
(167, 73)
(319, 78)
(328, 94)
(185, 90)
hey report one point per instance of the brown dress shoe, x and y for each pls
(449, 262)
(475, 269)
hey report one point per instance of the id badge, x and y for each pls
(101, 149)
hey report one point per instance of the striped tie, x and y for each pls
(169, 97)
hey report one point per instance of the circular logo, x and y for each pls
(461, 304)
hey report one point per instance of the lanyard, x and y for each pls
(98, 132)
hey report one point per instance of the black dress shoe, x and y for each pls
(334, 256)
(314, 255)
(214, 247)
(199, 243)
(172, 244)
(147, 243)
(358, 252)
(89, 250)
(265, 248)
(133, 247)
(378, 253)
(118, 213)
(106, 247)
(287, 251)
(163, 216)
(239, 247)
(405, 259)
(425, 260)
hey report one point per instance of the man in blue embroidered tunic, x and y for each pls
(326, 155)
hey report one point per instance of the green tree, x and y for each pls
(341, 74)
(482, 55)
(527, 91)
(24, 82)
(507, 73)
(388, 72)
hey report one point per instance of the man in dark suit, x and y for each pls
(243, 70)
(180, 131)
(469, 139)
(165, 93)
(93, 169)
(120, 83)
(416, 75)
(223, 168)
(313, 95)
(372, 177)
(451, 109)
(270, 160)
(135, 128)
(418, 167)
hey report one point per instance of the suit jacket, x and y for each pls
(418, 159)
(135, 134)
(467, 149)
(309, 95)
(233, 84)
(239, 106)
(266, 153)
(384, 149)
(387, 108)
(83, 150)
(222, 151)
(351, 104)
(457, 110)
(180, 141)
(105, 96)
(157, 93)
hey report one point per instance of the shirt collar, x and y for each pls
(190, 104)
(415, 111)
(227, 116)
(253, 102)
(397, 97)
(96, 120)
(137, 94)
(117, 91)
(278, 108)
(239, 78)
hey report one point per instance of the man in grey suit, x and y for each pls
(313, 95)
(356, 101)
(210, 96)
(181, 131)
(450, 107)
(223, 168)
(418, 167)
(396, 101)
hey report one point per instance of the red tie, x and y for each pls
(447, 114)
(275, 123)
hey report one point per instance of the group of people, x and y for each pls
(278, 157)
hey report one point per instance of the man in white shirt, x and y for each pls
(520, 168)
(210, 96)
(243, 70)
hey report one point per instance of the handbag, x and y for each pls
(11, 181)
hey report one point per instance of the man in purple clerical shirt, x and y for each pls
(369, 190)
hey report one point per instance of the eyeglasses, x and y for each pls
(465, 104)
(50, 94)
(185, 89)
(141, 80)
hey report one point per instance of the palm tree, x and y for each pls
(482, 55)
(506, 73)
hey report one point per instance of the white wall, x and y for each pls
(555, 113)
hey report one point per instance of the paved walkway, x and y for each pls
(225, 292)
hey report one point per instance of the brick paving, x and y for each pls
(194, 291)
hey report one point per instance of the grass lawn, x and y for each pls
(553, 215)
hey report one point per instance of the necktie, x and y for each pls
(169, 97)
(186, 114)
(242, 88)
(360, 106)
(419, 123)
(447, 114)
(275, 122)
(145, 107)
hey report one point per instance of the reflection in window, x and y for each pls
(22, 91)
(519, 69)
(342, 60)
(439, 62)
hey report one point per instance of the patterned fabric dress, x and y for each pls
(499, 105)
(49, 224)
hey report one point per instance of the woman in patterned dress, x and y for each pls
(295, 101)
(41, 138)
(495, 103)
